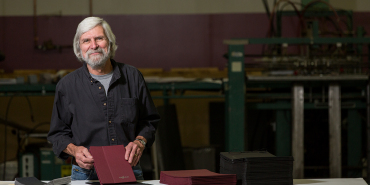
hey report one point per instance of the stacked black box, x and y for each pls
(257, 167)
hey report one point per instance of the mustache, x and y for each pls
(98, 50)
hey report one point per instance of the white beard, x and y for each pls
(96, 61)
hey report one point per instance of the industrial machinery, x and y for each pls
(325, 44)
(321, 65)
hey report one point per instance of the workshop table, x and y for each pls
(339, 181)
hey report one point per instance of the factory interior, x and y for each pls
(290, 77)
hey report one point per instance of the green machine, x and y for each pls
(43, 164)
(29, 165)
(52, 167)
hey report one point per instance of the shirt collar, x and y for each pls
(116, 71)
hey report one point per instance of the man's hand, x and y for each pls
(134, 150)
(83, 157)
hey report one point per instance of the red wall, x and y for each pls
(144, 41)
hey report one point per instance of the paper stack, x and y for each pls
(194, 177)
(35, 181)
(59, 181)
(257, 167)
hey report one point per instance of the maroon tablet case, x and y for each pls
(110, 164)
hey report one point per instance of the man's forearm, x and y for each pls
(70, 149)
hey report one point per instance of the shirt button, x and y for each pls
(105, 104)
(99, 87)
(112, 139)
(110, 121)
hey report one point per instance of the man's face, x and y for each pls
(94, 47)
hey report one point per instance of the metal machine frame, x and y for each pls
(237, 78)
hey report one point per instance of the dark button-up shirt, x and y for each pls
(84, 115)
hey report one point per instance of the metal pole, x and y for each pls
(235, 127)
(335, 154)
(298, 131)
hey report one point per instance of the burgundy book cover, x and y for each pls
(110, 164)
(202, 176)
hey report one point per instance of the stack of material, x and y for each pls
(257, 167)
(194, 177)
(35, 181)
(59, 181)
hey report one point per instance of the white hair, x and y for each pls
(88, 24)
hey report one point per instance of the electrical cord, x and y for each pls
(271, 29)
(38, 125)
(272, 17)
(326, 30)
(331, 7)
(349, 19)
(31, 131)
(301, 14)
(279, 12)
(267, 10)
(6, 128)
(31, 110)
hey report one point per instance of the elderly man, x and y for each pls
(100, 104)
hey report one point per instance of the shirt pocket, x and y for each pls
(129, 107)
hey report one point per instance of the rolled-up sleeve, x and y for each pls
(149, 117)
(60, 134)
